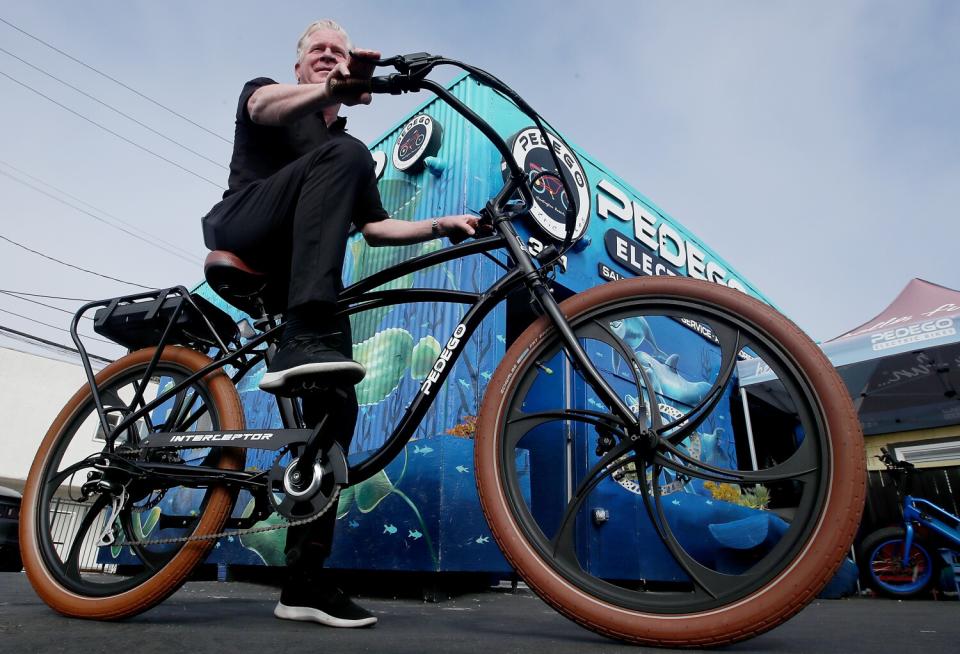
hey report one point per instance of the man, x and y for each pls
(297, 182)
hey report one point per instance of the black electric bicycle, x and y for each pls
(167, 418)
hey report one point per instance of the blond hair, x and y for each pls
(324, 24)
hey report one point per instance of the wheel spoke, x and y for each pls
(563, 541)
(71, 564)
(183, 417)
(522, 423)
(54, 482)
(799, 465)
(596, 330)
(730, 345)
(176, 411)
(713, 583)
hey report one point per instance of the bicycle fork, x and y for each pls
(551, 308)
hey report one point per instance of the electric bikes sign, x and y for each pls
(550, 198)
(419, 139)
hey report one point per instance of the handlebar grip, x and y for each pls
(370, 85)
(350, 86)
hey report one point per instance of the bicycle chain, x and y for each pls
(239, 532)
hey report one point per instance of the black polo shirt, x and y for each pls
(259, 151)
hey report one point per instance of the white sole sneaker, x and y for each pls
(349, 372)
(307, 614)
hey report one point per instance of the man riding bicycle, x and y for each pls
(297, 182)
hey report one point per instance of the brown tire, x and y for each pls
(39, 557)
(821, 544)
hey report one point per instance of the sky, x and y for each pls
(814, 145)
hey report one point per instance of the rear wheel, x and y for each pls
(721, 514)
(63, 530)
(888, 573)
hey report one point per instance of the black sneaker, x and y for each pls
(306, 360)
(331, 608)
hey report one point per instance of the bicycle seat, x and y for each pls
(235, 281)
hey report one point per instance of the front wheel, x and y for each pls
(714, 513)
(888, 572)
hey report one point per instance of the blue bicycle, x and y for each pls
(904, 561)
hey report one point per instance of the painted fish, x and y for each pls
(501, 338)
(711, 452)
(464, 383)
(486, 375)
(414, 534)
(482, 539)
(635, 331)
(353, 524)
(426, 449)
(669, 382)
(463, 469)
(389, 529)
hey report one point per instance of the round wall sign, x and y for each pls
(420, 138)
(550, 199)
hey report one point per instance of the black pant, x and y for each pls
(294, 226)
(309, 545)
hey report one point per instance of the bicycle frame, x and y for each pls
(943, 524)
(525, 271)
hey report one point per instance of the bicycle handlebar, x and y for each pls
(888, 460)
(411, 77)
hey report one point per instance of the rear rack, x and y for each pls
(171, 316)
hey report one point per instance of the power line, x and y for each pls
(42, 304)
(114, 80)
(114, 109)
(49, 297)
(105, 213)
(70, 265)
(46, 324)
(94, 216)
(44, 341)
(110, 131)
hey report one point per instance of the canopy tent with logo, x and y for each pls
(902, 367)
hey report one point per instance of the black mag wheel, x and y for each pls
(721, 514)
(66, 533)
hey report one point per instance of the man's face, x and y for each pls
(324, 49)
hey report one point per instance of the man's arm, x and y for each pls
(402, 232)
(281, 104)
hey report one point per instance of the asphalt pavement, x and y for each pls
(237, 617)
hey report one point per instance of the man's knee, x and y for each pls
(346, 154)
